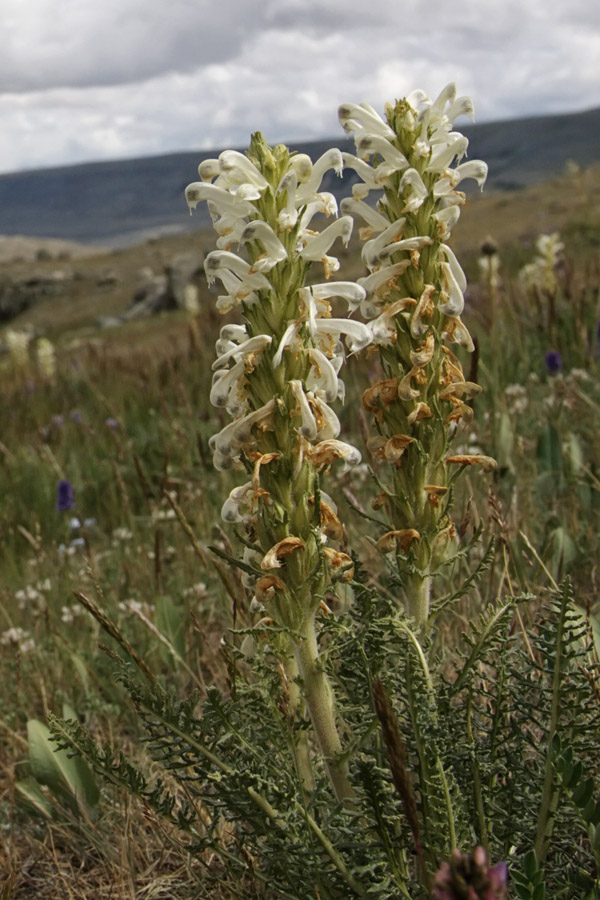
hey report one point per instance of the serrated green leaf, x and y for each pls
(34, 796)
(589, 811)
(530, 865)
(574, 775)
(583, 792)
(67, 777)
(567, 771)
(595, 623)
(523, 891)
(594, 836)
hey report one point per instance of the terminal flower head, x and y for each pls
(414, 291)
(276, 371)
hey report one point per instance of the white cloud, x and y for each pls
(86, 80)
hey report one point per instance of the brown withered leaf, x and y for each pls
(339, 561)
(395, 447)
(273, 557)
(473, 459)
(402, 540)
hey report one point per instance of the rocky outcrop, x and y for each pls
(176, 287)
(18, 294)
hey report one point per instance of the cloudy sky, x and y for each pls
(87, 80)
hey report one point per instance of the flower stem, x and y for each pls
(418, 595)
(318, 695)
(301, 746)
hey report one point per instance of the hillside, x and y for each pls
(126, 201)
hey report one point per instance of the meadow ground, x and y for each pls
(125, 419)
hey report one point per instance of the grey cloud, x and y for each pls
(137, 80)
(79, 44)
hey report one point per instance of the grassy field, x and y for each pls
(125, 419)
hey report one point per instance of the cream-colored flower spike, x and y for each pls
(276, 373)
(415, 298)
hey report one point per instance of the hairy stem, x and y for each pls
(318, 696)
(418, 595)
(301, 747)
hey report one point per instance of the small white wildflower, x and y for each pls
(18, 637)
(196, 591)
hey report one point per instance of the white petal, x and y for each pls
(442, 155)
(222, 385)
(331, 159)
(288, 216)
(373, 218)
(407, 245)
(418, 193)
(209, 169)
(238, 169)
(358, 335)
(288, 336)
(455, 303)
(252, 345)
(455, 266)
(349, 291)
(302, 165)
(257, 230)
(382, 276)
(316, 247)
(462, 106)
(447, 218)
(322, 375)
(221, 199)
(324, 203)
(392, 232)
(218, 260)
(308, 427)
(354, 117)
(474, 168)
(368, 144)
(329, 425)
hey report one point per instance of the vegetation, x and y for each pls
(127, 631)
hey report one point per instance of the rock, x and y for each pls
(18, 294)
(107, 280)
(183, 270)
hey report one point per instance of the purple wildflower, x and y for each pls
(76, 416)
(64, 498)
(469, 877)
(553, 362)
(112, 423)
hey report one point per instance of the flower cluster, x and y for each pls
(17, 344)
(470, 877)
(276, 372)
(414, 299)
(540, 273)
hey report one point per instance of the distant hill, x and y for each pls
(125, 201)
